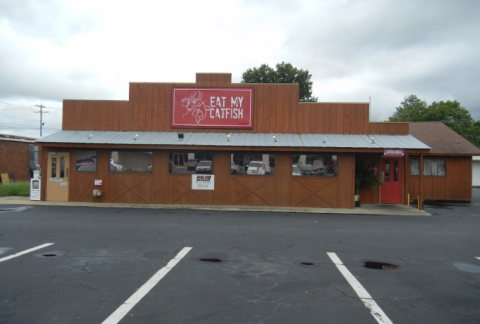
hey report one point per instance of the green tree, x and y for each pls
(451, 113)
(282, 73)
(411, 109)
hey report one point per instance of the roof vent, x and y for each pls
(180, 136)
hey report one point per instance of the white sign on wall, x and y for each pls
(203, 182)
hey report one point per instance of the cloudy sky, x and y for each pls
(91, 49)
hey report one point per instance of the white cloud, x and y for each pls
(53, 50)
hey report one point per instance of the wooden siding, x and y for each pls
(276, 110)
(456, 185)
(389, 128)
(161, 187)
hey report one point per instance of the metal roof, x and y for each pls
(236, 139)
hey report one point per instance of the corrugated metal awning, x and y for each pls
(236, 139)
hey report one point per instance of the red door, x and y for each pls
(392, 180)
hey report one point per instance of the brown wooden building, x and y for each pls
(252, 144)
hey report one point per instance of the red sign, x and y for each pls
(393, 152)
(212, 107)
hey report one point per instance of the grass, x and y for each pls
(19, 188)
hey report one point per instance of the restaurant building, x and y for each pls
(214, 142)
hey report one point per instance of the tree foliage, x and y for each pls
(411, 109)
(451, 113)
(282, 73)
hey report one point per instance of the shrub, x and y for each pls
(19, 188)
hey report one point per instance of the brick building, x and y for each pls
(15, 156)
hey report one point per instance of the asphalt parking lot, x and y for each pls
(115, 265)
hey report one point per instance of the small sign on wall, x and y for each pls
(98, 182)
(203, 182)
(393, 152)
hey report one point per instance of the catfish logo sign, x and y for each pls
(212, 108)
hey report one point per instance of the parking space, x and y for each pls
(242, 268)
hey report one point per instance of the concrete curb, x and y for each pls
(372, 210)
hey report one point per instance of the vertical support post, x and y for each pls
(406, 178)
(420, 183)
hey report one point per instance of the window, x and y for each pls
(54, 166)
(85, 161)
(414, 167)
(190, 163)
(252, 163)
(314, 165)
(431, 167)
(130, 161)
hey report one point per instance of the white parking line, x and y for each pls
(140, 293)
(365, 297)
(25, 252)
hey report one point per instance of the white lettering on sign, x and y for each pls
(220, 102)
(235, 102)
(226, 113)
(393, 152)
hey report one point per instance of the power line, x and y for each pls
(28, 126)
(54, 108)
(15, 106)
(18, 117)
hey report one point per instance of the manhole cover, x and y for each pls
(210, 260)
(51, 254)
(380, 265)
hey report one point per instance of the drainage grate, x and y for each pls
(49, 255)
(210, 260)
(307, 263)
(380, 265)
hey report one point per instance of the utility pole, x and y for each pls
(41, 116)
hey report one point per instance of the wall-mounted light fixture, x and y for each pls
(180, 136)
